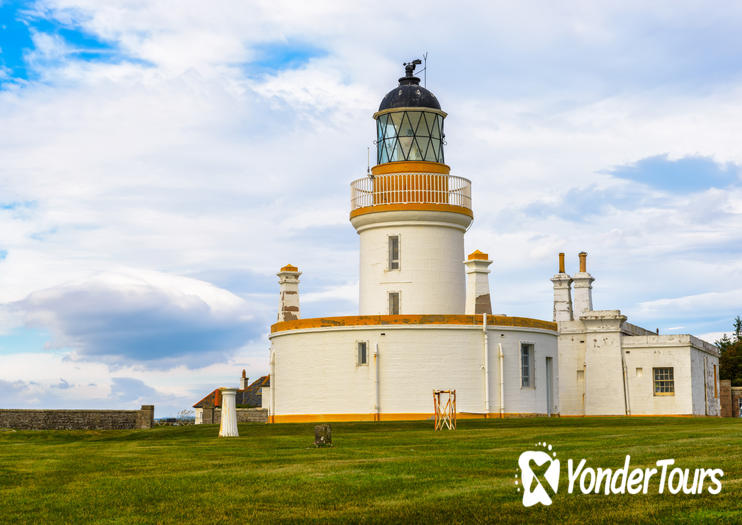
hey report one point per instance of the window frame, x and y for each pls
(531, 365)
(390, 260)
(359, 362)
(663, 381)
(389, 301)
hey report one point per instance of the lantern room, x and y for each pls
(409, 123)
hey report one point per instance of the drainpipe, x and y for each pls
(377, 407)
(501, 373)
(626, 402)
(273, 387)
(486, 367)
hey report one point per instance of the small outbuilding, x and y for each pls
(249, 400)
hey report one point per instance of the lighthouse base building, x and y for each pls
(425, 314)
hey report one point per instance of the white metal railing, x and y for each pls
(405, 188)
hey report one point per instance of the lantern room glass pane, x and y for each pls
(431, 123)
(406, 129)
(429, 151)
(406, 143)
(415, 153)
(414, 117)
(409, 135)
(383, 155)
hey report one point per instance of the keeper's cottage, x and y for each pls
(425, 313)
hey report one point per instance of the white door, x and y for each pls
(549, 392)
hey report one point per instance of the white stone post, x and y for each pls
(288, 306)
(478, 299)
(228, 427)
(583, 283)
(562, 294)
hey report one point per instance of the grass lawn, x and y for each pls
(376, 472)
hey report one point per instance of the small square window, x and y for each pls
(394, 252)
(664, 382)
(393, 303)
(362, 353)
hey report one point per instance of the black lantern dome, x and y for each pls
(409, 123)
(409, 94)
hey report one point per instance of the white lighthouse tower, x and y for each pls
(425, 318)
(410, 212)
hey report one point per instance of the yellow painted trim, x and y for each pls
(396, 110)
(478, 256)
(407, 166)
(329, 418)
(384, 320)
(412, 206)
(635, 415)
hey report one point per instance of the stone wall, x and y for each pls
(244, 415)
(730, 396)
(22, 419)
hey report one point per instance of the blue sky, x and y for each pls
(161, 164)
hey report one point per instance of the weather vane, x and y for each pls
(409, 67)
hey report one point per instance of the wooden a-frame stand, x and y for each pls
(445, 412)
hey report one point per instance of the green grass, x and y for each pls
(376, 472)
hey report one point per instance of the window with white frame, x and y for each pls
(527, 379)
(664, 381)
(393, 303)
(362, 347)
(394, 252)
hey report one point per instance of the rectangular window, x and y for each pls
(393, 303)
(394, 252)
(664, 382)
(639, 372)
(362, 353)
(526, 366)
(716, 386)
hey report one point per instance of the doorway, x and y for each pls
(549, 386)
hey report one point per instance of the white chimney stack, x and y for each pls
(562, 294)
(288, 306)
(583, 288)
(477, 284)
(244, 380)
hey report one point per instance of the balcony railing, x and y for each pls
(406, 188)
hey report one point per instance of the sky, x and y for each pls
(160, 161)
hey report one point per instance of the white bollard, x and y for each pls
(228, 427)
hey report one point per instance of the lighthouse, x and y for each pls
(425, 318)
(410, 212)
